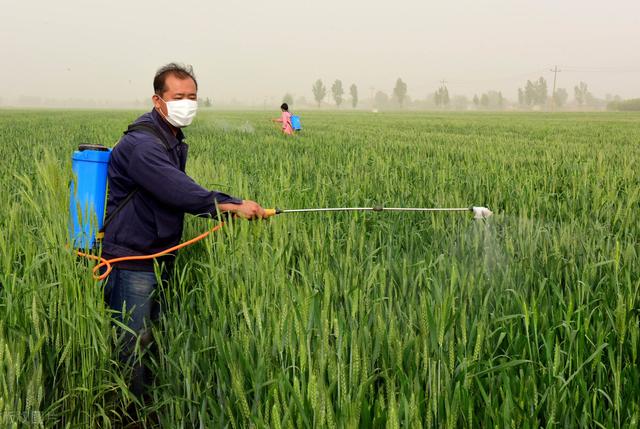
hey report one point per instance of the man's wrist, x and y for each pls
(230, 205)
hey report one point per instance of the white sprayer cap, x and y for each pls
(481, 212)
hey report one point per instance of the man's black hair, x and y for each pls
(285, 107)
(181, 71)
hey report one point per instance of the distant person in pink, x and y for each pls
(285, 119)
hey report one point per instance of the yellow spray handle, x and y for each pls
(271, 212)
(267, 212)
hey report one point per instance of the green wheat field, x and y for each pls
(342, 320)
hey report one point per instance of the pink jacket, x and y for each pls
(286, 123)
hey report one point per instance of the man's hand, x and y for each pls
(247, 210)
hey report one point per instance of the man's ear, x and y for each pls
(157, 102)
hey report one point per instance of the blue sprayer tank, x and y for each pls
(295, 122)
(88, 193)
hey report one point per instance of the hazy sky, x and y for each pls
(252, 49)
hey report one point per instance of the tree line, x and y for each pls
(320, 92)
(534, 94)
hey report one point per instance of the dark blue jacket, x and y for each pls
(153, 218)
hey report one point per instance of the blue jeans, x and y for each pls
(133, 297)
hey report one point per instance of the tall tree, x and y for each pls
(534, 93)
(353, 90)
(521, 100)
(381, 100)
(288, 98)
(560, 97)
(476, 100)
(441, 97)
(445, 96)
(529, 93)
(581, 93)
(337, 91)
(484, 100)
(541, 91)
(400, 91)
(319, 91)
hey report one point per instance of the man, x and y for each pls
(149, 193)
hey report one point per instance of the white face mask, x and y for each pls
(180, 113)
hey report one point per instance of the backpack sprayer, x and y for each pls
(89, 192)
(295, 123)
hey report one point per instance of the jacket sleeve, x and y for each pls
(151, 169)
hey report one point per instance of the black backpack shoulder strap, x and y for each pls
(145, 127)
(112, 215)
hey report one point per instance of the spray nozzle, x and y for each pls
(481, 212)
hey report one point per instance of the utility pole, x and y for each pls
(553, 93)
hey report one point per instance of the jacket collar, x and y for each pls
(162, 125)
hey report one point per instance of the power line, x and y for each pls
(599, 70)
